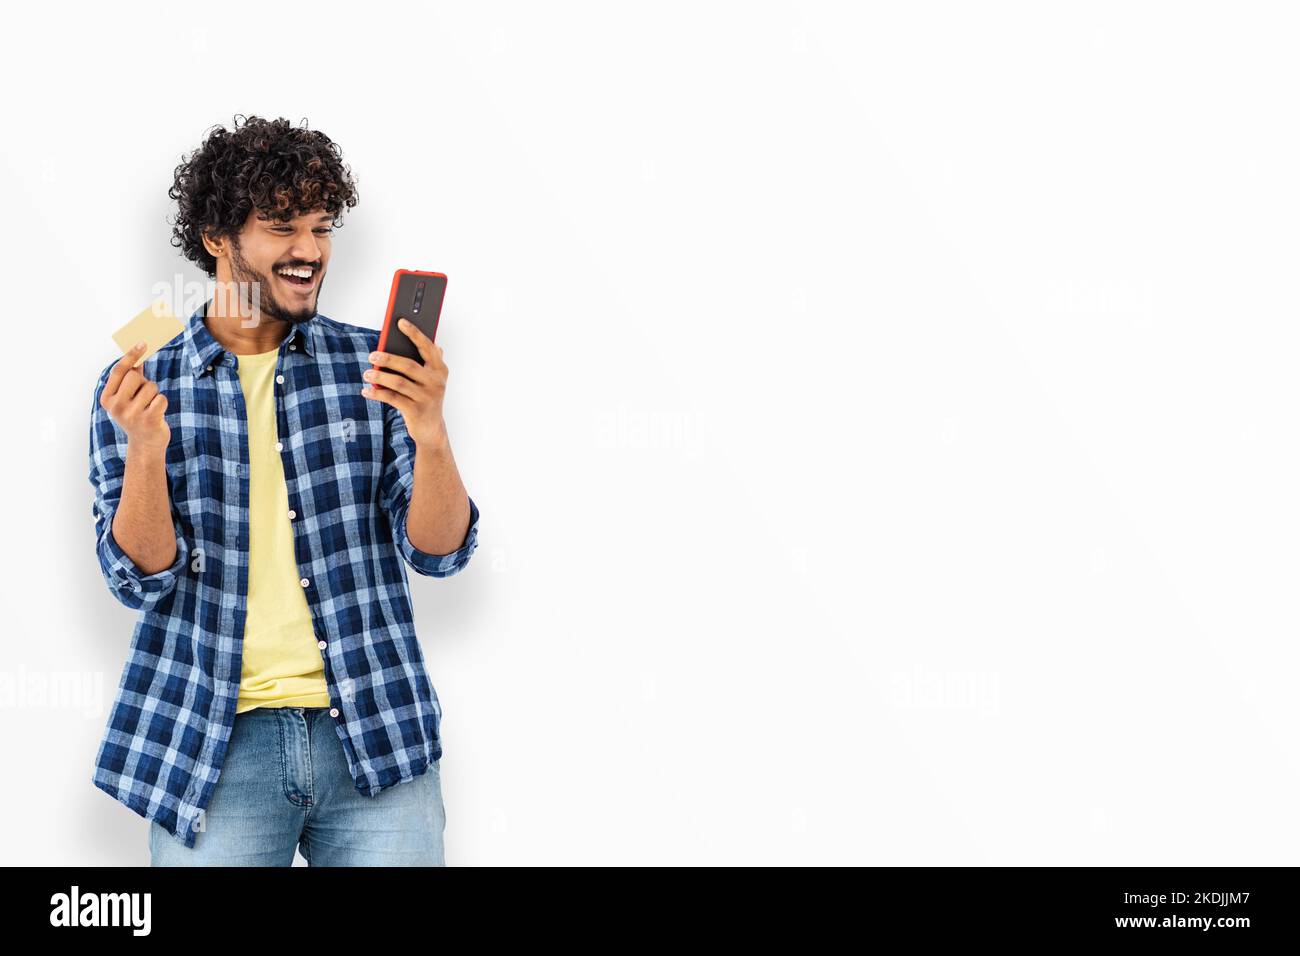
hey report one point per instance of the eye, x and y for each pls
(324, 232)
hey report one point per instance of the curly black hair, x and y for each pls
(272, 166)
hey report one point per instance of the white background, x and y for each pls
(881, 418)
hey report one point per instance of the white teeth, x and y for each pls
(303, 273)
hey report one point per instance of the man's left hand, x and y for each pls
(413, 389)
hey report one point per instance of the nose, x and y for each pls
(306, 249)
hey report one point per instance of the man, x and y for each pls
(259, 493)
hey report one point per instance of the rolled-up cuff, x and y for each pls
(440, 565)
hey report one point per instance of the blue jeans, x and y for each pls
(285, 784)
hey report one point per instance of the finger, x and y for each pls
(388, 397)
(140, 401)
(400, 363)
(423, 343)
(131, 384)
(121, 367)
(391, 380)
(158, 405)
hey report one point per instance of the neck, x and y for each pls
(232, 323)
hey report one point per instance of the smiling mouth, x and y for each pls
(300, 278)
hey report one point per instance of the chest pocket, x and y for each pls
(357, 433)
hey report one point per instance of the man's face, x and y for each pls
(266, 248)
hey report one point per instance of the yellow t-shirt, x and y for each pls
(282, 666)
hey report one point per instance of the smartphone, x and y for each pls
(417, 297)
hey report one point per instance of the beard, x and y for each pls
(269, 305)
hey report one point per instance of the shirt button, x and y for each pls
(280, 379)
(209, 368)
(304, 582)
(292, 514)
(321, 645)
(293, 348)
(334, 711)
(279, 446)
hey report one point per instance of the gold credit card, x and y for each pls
(156, 325)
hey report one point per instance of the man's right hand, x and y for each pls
(137, 405)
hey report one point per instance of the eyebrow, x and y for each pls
(327, 217)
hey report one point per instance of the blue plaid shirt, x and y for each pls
(348, 468)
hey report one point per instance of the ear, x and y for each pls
(216, 248)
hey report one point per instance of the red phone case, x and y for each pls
(390, 319)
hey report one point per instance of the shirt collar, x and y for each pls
(205, 351)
